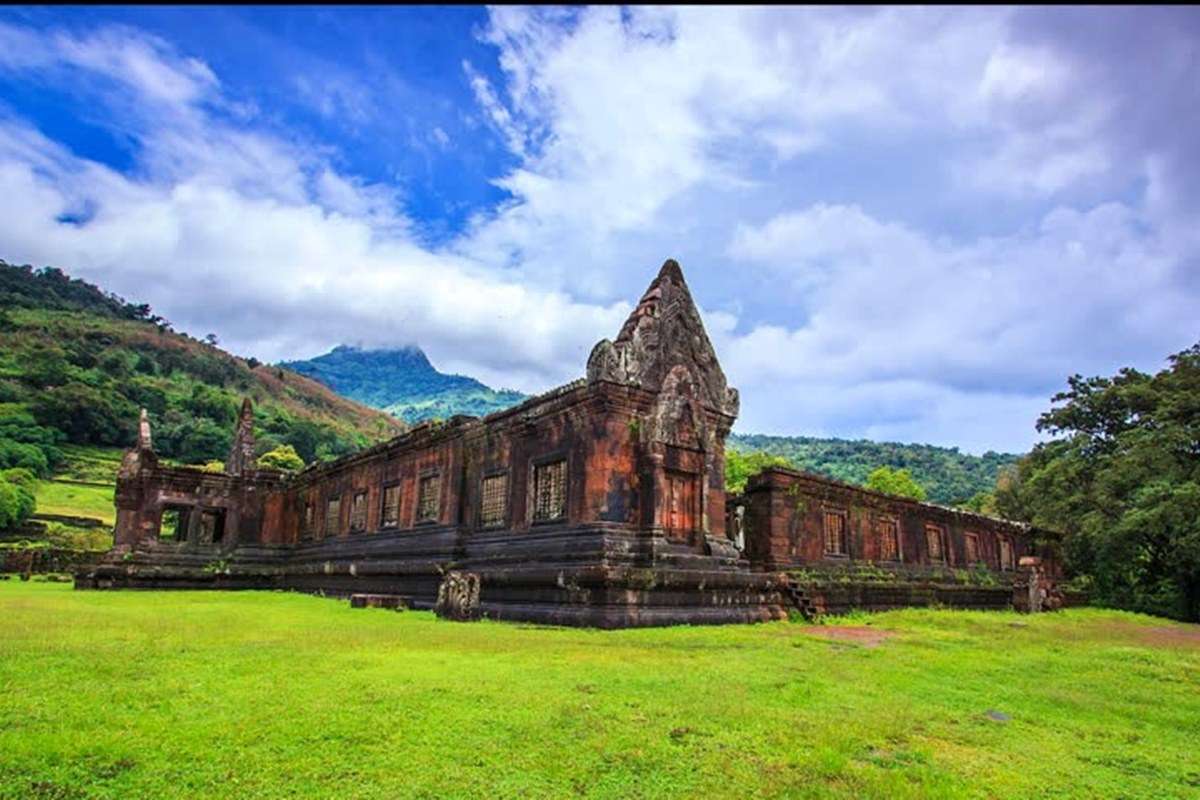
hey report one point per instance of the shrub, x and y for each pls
(17, 502)
(283, 458)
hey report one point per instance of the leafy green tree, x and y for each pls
(214, 404)
(145, 365)
(44, 367)
(191, 440)
(1121, 480)
(145, 394)
(326, 452)
(981, 503)
(26, 456)
(899, 482)
(17, 501)
(87, 415)
(24, 443)
(283, 458)
(740, 466)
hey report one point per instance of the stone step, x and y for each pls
(799, 598)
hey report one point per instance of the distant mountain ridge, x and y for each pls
(403, 382)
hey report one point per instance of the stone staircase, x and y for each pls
(810, 609)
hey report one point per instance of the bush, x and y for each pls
(24, 443)
(283, 458)
(17, 502)
(25, 456)
(145, 394)
(740, 466)
(897, 482)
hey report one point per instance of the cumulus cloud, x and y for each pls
(902, 223)
(241, 232)
(970, 323)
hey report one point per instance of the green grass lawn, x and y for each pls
(76, 500)
(260, 694)
(80, 463)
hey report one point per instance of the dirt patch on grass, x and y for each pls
(1155, 635)
(860, 635)
(1171, 637)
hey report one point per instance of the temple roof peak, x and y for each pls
(671, 271)
(664, 332)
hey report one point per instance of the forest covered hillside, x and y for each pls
(948, 476)
(77, 363)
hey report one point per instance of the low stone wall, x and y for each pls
(1075, 599)
(29, 530)
(47, 559)
(847, 597)
(73, 521)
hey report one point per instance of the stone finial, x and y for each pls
(241, 454)
(141, 456)
(143, 441)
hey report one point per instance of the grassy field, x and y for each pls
(72, 499)
(260, 694)
(93, 465)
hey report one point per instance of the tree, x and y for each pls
(899, 482)
(740, 466)
(1121, 480)
(981, 503)
(17, 501)
(190, 439)
(87, 415)
(283, 458)
(24, 443)
(20, 454)
(212, 404)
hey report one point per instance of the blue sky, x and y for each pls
(905, 224)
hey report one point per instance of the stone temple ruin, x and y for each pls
(599, 503)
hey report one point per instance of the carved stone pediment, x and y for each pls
(678, 418)
(662, 333)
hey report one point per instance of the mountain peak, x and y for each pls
(402, 380)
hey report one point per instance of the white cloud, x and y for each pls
(138, 61)
(235, 230)
(886, 300)
(744, 141)
(986, 320)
